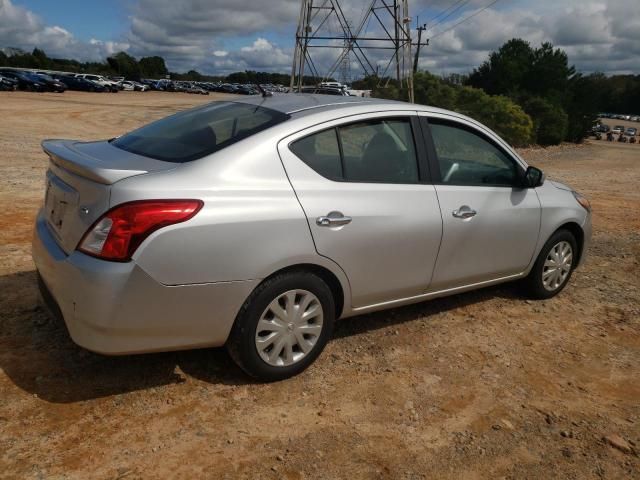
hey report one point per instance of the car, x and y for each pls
(53, 84)
(24, 81)
(618, 129)
(111, 86)
(256, 223)
(246, 90)
(196, 90)
(227, 88)
(81, 84)
(127, 86)
(8, 84)
(604, 128)
(631, 131)
(325, 91)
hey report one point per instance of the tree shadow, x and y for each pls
(39, 357)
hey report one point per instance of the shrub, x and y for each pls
(550, 122)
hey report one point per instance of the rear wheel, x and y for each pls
(283, 326)
(554, 266)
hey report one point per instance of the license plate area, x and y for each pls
(59, 201)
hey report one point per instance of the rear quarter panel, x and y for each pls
(251, 224)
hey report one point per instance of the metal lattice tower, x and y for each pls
(392, 18)
(345, 64)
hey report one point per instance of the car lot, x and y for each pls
(481, 385)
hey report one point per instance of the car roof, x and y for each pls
(296, 103)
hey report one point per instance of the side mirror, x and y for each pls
(533, 177)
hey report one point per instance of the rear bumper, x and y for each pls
(117, 308)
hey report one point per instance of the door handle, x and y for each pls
(333, 219)
(464, 212)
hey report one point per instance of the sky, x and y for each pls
(223, 36)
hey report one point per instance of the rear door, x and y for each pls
(491, 224)
(363, 185)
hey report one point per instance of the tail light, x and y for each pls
(119, 232)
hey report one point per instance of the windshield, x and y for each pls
(190, 135)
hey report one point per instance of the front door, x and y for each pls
(361, 187)
(490, 223)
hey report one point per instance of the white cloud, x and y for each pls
(21, 28)
(220, 36)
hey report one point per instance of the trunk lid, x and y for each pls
(79, 180)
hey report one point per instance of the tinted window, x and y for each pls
(321, 152)
(198, 132)
(467, 158)
(379, 151)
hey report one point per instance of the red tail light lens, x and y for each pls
(119, 232)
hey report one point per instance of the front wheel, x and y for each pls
(554, 266)
(283, 326)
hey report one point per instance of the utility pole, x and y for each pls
(421, 29)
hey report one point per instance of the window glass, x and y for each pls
(320, 152)
(466, 158)
(379, 151)
(198, 132)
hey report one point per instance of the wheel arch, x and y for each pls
(336, 285)
(578, 234)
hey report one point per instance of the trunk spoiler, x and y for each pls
(100, 161)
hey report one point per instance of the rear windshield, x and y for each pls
(195, 133)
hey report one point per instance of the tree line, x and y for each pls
(527, 95)
(123, 64)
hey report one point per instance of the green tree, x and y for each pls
(506, 71)
(153, 67)
(550, 122)
(125, 65)
(582, 103)
(498, 112)
(40, 59)
(549, 74)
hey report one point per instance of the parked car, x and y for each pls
(257, 223)
(196, 90)
(226, 88)
(53, 84)
(81, 84)
(127, 86)
(618, 129)
(24, 81)
(245, 90)
(631, 131)
(325, 91)
(141, 87)
(8, 84)
(110, 85)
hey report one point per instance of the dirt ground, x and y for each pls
(480, 385)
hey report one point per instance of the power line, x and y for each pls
(464, 20)
(439, 19)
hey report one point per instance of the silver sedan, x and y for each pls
(257, 223)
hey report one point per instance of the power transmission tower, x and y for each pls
(392, 18)
(345, 65)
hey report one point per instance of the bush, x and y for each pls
(499, 113)
(550, 122)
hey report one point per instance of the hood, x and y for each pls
(560, 185)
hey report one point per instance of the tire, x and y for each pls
(557, 278)
(275, 295)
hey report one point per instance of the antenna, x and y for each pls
(264, 92)
(393, 36)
